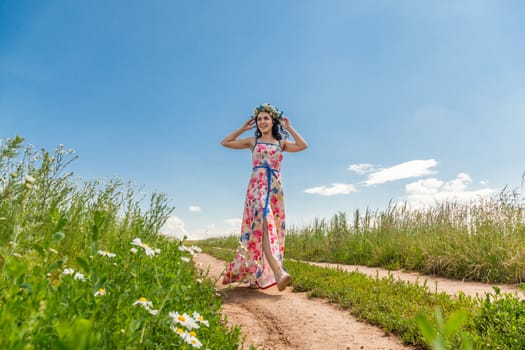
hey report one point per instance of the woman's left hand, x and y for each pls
(285, 123)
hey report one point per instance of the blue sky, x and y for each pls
(399, 100)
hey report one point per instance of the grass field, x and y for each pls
(480, 241)
(82, 266)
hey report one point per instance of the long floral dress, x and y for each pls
(264, 204)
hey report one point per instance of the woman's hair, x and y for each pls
(277, 130)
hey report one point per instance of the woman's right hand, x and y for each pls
(248, 125)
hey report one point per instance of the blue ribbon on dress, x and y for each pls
(269, 173)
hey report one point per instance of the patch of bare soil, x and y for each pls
(276, 320)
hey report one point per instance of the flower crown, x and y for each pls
(266, 107)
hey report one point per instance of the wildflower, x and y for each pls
(143, 302)
(68, 271)
(179, 331)
(149, 251)
(106, 253)
(133, 250)
(195, 342)
(184, 320)
(183, 248)
(137, 241)
(198, 317)
(146, 304)
(185, 259)
(192, 250)
(188, 337)
(29, 179)
(79, 276)
(100, 292)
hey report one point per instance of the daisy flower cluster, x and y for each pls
(184, 325)
(191, 250)
(266, 107)
(189, 323)
(149, 251)
(72, 272)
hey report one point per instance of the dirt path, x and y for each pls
(275, 320)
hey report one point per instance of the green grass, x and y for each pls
(496, 321)
(73, 274)
(479, 241)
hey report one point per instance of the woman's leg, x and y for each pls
(281, 277)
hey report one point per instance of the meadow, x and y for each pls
(83, 267)
(482, 240)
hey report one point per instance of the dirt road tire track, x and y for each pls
(276, 320)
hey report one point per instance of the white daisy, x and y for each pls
(100, 292)
(79, 276)
(184, 320)
(106, 253)
(198, 317)
(68, 271)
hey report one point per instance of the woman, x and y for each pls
(258, 259)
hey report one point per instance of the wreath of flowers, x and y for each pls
(266, 107)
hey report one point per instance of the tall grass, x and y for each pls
(82, 266)
(482, 240)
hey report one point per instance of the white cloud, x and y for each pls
(333, 190)
(413, 168)
(194, 208)
(424, 187)
(361, 168)
(432, 191)
(459, 184)
(174, 227)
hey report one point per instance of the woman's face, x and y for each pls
(264, 122)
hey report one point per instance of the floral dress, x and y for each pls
(264, 204)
